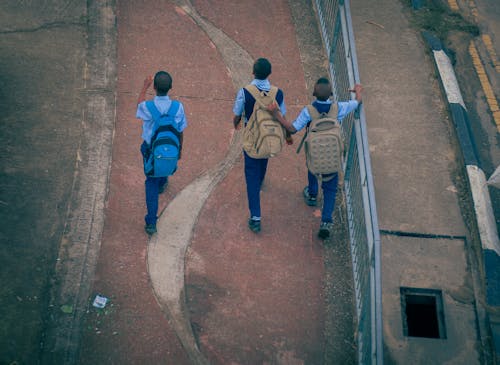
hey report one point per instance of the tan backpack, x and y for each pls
(324, 146)
(264, 136)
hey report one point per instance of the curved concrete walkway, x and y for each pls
(167, 249)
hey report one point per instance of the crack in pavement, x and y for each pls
(45, 26)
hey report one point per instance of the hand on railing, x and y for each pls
(357, 89)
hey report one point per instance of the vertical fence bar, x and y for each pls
(336, 26)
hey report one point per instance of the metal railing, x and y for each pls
(336, 26)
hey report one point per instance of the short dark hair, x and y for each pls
(262, 68)
(162, 82)
(322, 89)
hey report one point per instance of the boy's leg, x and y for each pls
(311, 190)
(329, 195)
(152, 190)
(253, 177)
(162, 184)
(312, 186)
(263, 168)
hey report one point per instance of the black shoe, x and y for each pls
(309, 199)
(150, 229)
(254, 225)
(325, 230)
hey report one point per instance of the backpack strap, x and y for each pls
(155, 113)
(302, 142)
(257, 94)
(313, 112)
(334, 111)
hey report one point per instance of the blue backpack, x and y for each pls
(165, 142)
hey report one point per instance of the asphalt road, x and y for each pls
(489, 22)
(57, 103)
(42, 49)
(485, 125)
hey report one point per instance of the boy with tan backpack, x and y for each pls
(323, 146)
(263, 136)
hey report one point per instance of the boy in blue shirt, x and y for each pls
(322, 92)
(162, 84)
(255, 169)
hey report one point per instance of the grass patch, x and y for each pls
(437, 18)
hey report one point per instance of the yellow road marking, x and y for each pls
(453, 5)
(493, 55)
(485, 83)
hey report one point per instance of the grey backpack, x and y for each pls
(324, 146)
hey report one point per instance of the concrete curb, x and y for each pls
(81, 241)
(488, 233)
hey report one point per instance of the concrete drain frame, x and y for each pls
(423, 313)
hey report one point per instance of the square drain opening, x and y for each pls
(422, 311)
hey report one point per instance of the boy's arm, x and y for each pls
(236, 122)
(142, 95)
(238, 108)
(274, 109)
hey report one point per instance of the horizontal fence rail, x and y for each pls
(336, 27)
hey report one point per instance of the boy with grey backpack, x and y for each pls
(323, 146)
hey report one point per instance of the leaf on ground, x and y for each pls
(66, 308)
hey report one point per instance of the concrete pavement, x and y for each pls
(229, 297)
(216, 292)
(425, 215)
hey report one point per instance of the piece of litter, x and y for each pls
(66, 308)
(100, 301)
(376, 24)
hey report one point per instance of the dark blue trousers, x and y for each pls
(153, 186)
(255, 171)
(329, 194)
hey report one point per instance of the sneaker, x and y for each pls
(150, 229)
(254, 225)
(309, 199)
(325, 230)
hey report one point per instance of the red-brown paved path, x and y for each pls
(253, 299)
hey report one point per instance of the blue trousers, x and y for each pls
(255, 171)
(329, 194)
(153, 186)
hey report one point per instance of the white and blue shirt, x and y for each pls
(244, 101)
(345, 107)
(162, 103)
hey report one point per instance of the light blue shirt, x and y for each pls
(239, 102)
(345, 107)
(162, 103)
